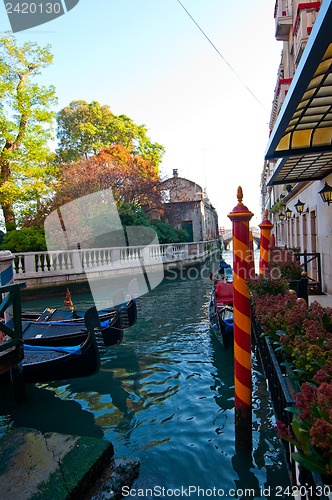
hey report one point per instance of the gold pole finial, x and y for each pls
(239, 195)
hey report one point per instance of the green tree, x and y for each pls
(84, 129)
(132, 215)
(26, 118)
(27, 239)
(167, 234)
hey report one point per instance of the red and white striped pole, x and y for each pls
(240, 217)
(266, 228)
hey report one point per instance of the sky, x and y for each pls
(147, 59)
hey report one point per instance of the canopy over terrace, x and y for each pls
(302, 135)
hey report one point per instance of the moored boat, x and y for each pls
(70, 351)
(77, 316)
(221, 306)
(113, 321)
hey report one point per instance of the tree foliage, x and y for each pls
(168, 234)
(26, 174)
(27, 239)
(133, 215)
(132, 179)
(85, 129)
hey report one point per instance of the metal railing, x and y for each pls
(280, 395)
(311, 263)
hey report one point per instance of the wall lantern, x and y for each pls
(288, 213)
(326, 193)
(281, 216)
(299, 206)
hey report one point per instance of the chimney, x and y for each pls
(175, 172)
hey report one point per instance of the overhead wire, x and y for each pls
(222, 57)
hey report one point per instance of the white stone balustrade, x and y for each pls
(75, 262)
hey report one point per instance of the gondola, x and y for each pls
(77, 316)
(60, 352)
(221, 306)
(73, 315)
(113, 321)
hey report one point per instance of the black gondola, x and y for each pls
(113, 321)
(221, 306)
(77, 316)
(127, 311)
(59, 352)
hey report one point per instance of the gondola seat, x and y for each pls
(224, 294)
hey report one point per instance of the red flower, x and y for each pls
(321, 436)
(325, 374)
(283, 431)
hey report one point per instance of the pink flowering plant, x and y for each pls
(302, 339)
(312, 425)
(285, 263)
(301, 335)
(265, 284)
(290, 269)
(306, 338)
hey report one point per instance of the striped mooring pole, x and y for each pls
(240, 217)
(266, 228)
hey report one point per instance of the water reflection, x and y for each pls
(47, 411)
(166, 397)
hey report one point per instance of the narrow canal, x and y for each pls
(165, 396)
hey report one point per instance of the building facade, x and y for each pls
(298, 160)
(188, 207)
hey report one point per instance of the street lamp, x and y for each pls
(326, 193)
(299, 206)
(288, 213)
(281, 216)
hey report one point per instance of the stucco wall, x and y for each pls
(185, 203)
(299, 230)
(178, 189)
(179, 212)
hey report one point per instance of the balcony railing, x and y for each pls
(304, 21)
(283, 18)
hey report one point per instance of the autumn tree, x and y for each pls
(26, 118)
(133, 179)
(85, 129)
(134, 182)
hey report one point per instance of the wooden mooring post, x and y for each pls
(266, 228)
(240, 217)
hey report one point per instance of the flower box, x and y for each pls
(281, 382)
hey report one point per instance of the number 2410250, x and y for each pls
(33, 8)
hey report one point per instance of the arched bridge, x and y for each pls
(228, 236)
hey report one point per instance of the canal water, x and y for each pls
(165, 396)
